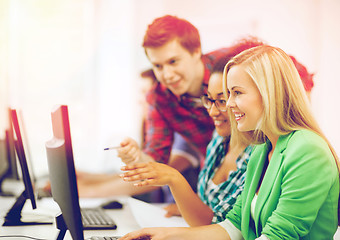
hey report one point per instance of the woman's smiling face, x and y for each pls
(244, 100)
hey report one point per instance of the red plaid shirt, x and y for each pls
(167, 114)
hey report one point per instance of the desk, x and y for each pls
(48, 209)
(124, 219)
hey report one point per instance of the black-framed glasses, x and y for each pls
(220, 104)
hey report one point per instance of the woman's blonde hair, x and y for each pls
(285, 103)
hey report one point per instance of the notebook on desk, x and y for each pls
(155, 217)
(63, 178)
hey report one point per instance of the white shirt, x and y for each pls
(235, 233)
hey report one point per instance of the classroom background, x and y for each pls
(87, 54)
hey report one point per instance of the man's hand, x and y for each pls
(129, 151)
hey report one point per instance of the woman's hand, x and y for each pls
(172, 210)
(152, 233)
(151, 173)
(213, 231)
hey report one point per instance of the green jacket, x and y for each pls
(298, 197)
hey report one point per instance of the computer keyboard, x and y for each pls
(96, 219)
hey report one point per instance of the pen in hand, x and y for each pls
(110, 148)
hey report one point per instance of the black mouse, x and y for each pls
(112, 205)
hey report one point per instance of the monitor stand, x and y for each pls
(13, 217)
(61, 225)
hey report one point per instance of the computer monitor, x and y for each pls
(8, 162)
(63, 176)
(12, 172)
(8, 158)
(13, 217)
(3, 164)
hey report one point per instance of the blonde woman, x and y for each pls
(291, 189)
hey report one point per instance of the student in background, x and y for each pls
(292, 181)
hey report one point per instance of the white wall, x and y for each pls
(88, 54)
(76, 53)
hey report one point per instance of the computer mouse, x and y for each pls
(112, 205)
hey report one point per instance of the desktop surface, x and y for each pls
(48, 209)
(124, 218)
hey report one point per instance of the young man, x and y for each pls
(174, 49)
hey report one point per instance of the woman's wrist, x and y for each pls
(176, 180)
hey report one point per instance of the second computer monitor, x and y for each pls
(63, 176)
(13, 216)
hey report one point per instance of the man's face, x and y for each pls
(175, 67)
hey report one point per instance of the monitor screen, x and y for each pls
(13, 217)
(63, 175)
